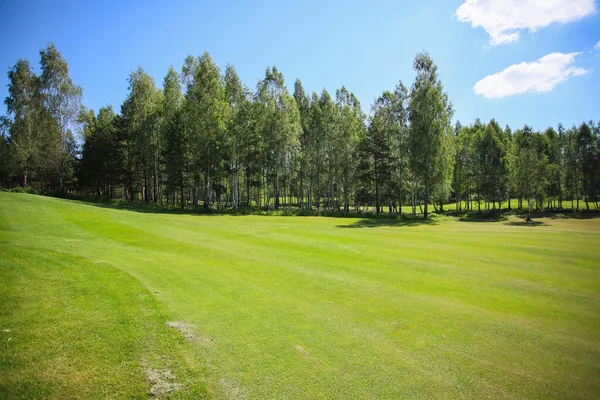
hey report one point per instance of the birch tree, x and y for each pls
(430, 135)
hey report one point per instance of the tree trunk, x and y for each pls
(376, 190)
(346, 199)
(146, 191)
(560, 202)
(195, 194)
(301, 188)
(276, 190)
(248, 189)
(156, 185)
(425, 213)
(181, 188)
(206, 191)
(235, 189)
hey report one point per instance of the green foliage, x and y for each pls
(491, 163)
(39, 153)
(174, 138)
(61, 99)
(101, 168)
(238, 139)
(206, 138)
(205, 119)
(141, 127)
(430, 139)
(531, 165)
(351, 131)
(377, 150)
(279, 122)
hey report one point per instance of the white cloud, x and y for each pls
(537, 76)
(504, 20)
(597, 47)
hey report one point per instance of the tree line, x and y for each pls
(204, 139)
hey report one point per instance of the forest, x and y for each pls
(204, 139)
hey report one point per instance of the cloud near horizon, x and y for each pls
(537, 76)
(597, 46)
(504, 20)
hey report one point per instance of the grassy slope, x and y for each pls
(295, 307)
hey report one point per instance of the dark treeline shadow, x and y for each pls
(493, 216)
(366, 220)
(381, 222)
(586, 214)
(503, 216)
(152, 208)
(526, 223)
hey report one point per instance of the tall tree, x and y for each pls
(464, 182)
(587, 153)
(238, 127)
(351, 131)
(174, 138)
(430, 136)
(326, 125)
(140, 113)
(21, 122)
(531, 166)
(554, 155)
(572, 166)
(208, 112)
(400, 153)
(303, 103)
(377, 148)
(5, 166)
(491, 163)
(62, 98)
(102, 162)
(280, 125)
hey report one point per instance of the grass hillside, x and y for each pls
(97, 302)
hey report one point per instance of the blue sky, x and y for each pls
(366, 46)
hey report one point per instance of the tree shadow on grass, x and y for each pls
(592, 214)
(525, 223)
(387, 222)
(552, 216)
(483, 217)
(366, 220)
(371, 219)
(157, 209)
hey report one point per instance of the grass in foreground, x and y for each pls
(294, 307)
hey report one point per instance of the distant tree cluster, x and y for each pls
(37, 145)
(207, 140)
(542, 168)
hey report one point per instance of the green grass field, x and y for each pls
(293, 307)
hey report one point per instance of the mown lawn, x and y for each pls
(293, 307)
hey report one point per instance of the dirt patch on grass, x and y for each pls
(162, 381)
(232, 388)
(302, 351)
(189, 332)
(186, 330)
